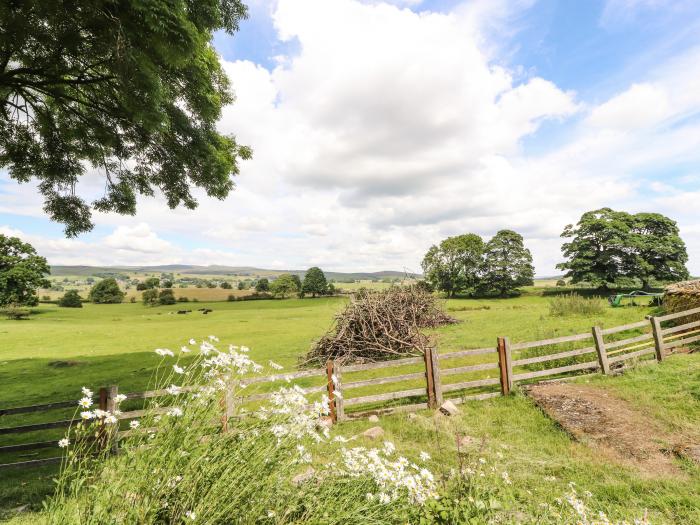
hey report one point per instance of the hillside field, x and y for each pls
(58, 350)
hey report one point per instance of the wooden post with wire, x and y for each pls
(600, 349)
(658, 338)
(437, 380)
(429, 383)
(505, 365)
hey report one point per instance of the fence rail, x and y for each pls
(514, 363)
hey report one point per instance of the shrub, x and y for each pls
(561, 282)
(132, 300)
(150, 297)
(263, 285)
(226, 285)
(231, 297)
(45, 297)
(183, 299)
(166, 297)
(15, 313)
(71, 299)
(141, 287)
(574, 304)
(106, 291)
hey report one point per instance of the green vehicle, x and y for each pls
(628, 299)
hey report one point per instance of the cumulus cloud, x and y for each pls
(388, 129)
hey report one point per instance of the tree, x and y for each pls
(166, 296)
(226, 285)
(454, 265)
(658, 250)
(507, 264)
(598, 252)
(284, 285)
(141, 286)
(21, 272)
(263, 285)
(241, 285)
(106, 292)
(314, 282)
(71, 299)
(133, 89)
(152, 282)
(608, 247)
(150, 297)
(166, 283)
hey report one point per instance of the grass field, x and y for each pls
(52, 355)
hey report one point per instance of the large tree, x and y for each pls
(284, 285)
(607, 245)
(598, 252)
(107, 291)
(22, 271)
(125, 88)
(658, 250)
(453, 266)
(507, 264)
(314, 282)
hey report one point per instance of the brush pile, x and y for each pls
(682, 296)
(380, 325)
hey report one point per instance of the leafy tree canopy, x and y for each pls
(284, 285)
(106, 292)
(314, 282)
(127, 88)
(150, 297)
(71, 299)
(21, 272)
(507, 264)
(453, 266)
(609, 246)
(263, 285)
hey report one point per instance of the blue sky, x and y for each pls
(380, 128)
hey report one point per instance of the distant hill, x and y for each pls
(86, 271)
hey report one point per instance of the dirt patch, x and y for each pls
(619, 431)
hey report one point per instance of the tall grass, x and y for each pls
(178, 466)
(574, 304)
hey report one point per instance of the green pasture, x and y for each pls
(50, 356)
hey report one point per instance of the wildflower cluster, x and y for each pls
(394, 478)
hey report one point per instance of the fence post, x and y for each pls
(505, 365)
(338, 393)
(600, 348)
(112, 434)
(331, 391)
(429, 386)
(658, 338)
(102, 405)
(437, 380)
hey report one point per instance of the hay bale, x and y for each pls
(380, 325)
(682, 296)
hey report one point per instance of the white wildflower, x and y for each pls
(63, 443)
(389, 448)
(173, 390)
(164, 351)
(178, 370)
(85, 402)
(175, 412)
(275, 365)
(190, 515)
(110, 419)
(214, 338)
(506, 478)
(119, 398)
(193, 342)
(87, 392)
(87, 414)
(134, 424)
(384, 498)
(424, 456)
(184, 349)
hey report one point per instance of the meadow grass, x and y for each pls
(50, 356)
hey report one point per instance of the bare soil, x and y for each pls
(598, 418)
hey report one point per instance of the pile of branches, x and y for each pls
(682, 296)
(380, 325)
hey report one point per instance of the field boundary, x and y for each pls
(522, 362)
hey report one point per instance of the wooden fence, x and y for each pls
(460, 376)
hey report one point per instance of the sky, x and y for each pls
(380, 128)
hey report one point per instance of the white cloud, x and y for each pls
(389, 130)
